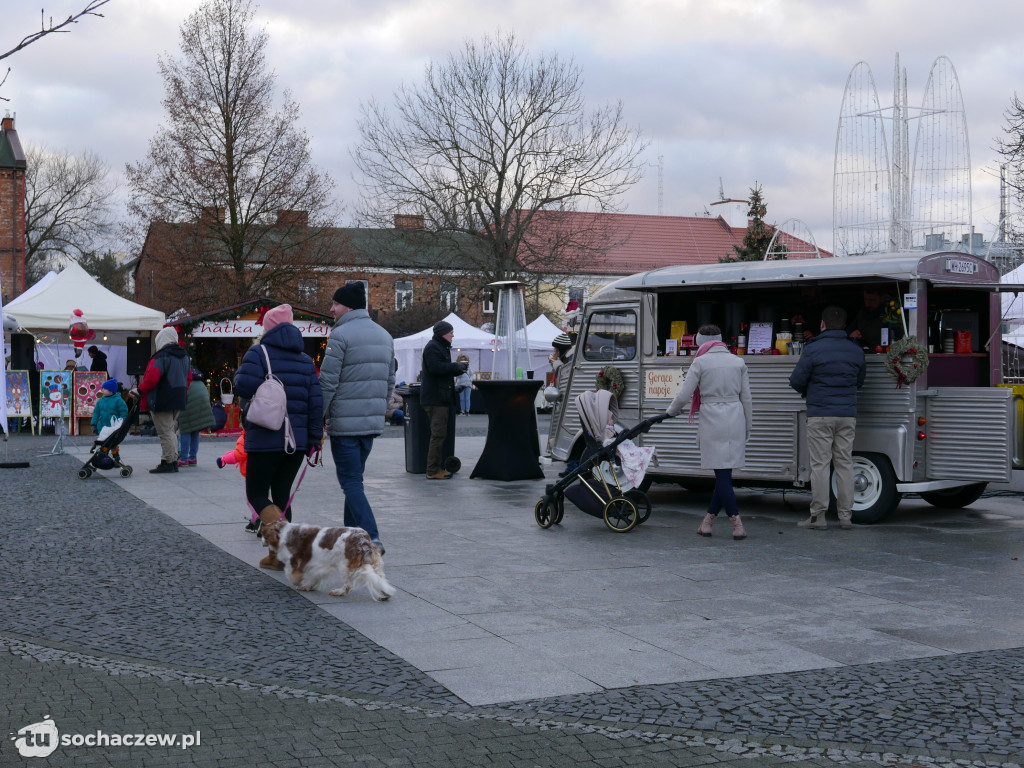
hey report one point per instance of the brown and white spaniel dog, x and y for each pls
(311, 554)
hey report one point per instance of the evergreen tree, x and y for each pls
(758, 235)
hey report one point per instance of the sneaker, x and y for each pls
(220, 463)
(442, 475)
(252, 526)
(163, 467)
(379, 546)
(191, 462)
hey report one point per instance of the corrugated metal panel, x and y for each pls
(969, 434)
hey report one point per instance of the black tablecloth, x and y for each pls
(512, 450)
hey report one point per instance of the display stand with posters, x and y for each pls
(55, 403)
(19, 399)
(85, 392)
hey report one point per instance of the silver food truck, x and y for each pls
(944, 433)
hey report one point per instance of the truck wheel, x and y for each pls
(955, 498)
(874, 489)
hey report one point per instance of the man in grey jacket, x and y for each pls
(356, 378)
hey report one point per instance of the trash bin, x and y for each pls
(417, 434)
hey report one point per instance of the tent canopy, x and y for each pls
(48, 305)
(542, 330)
(1013, 305)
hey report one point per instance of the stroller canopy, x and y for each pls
(596, 410)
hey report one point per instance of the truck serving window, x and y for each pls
(610, 336)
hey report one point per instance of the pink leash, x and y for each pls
(313, 459)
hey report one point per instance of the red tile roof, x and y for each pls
(649, 242)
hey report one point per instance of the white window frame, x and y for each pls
(403, 296)
(449, 299)
(487, 303)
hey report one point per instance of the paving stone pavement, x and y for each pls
(118, 618)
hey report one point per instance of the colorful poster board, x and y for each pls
(54, 394)
(19, 399)
(86, 391)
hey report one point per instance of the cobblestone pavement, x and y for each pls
(118, 619)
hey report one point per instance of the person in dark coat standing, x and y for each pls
(271, 467)
(164, 391)
(99, 359)
(437, 395)
(829, 373)
(197, 416)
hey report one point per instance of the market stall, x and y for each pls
(216, 342)
(67, 312)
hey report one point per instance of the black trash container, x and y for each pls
(417, 434)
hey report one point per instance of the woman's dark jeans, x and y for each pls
(724, 497)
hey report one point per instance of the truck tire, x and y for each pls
(955, 498)
(874, 489)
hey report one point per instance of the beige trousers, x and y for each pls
(166, 423)
(830, 441)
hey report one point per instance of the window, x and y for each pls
(403, 295)
(578, 295)
(308, 290)
(488, 303)
(449, 297)
(611, 336)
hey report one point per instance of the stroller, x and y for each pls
(106, 453)
(598, 486)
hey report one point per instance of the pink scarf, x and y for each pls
(695, 400)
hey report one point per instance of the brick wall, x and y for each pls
(12, 233)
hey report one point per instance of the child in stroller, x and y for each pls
(111, 420)
(598, 485)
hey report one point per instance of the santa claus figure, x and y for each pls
(79, 331)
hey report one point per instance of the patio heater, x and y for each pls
(511, 358)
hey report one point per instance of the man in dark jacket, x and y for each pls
(99, 359)
(164, 391)
(437, 395)
(830, 371)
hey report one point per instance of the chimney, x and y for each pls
(288, 218)
(211, 214)
(408, 221)
(7, 123)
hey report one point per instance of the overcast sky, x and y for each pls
(741, 91)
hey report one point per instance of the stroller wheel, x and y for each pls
(643, 504)
(620, 515)
(84, 472)
(559, 509)
(545, 512)
(126, 471)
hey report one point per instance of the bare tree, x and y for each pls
(51, 27)
(230, 172)
(1011, 147)
(497, 146)
(67, 207)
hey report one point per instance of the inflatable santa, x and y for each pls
(79, 331)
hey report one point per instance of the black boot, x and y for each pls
(163, 467)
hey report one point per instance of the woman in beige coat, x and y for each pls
(718, 387)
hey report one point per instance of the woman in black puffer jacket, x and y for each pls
(271, 469)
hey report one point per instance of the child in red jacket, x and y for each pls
(237, 455)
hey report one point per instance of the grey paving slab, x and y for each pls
(469, 550)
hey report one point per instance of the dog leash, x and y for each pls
(313, 459)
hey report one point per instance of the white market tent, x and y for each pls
(47, 305)
(476, 344)
(542, 330)
(45, 311)
(1013, 305)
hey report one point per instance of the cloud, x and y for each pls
(739, 90)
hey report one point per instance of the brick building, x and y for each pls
(12, 211)
(413, 277)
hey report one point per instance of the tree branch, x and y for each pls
(89, 10)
